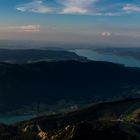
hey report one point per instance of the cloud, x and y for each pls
(129, 8)
(77, 6)
(26, 28)
(74, 9)
(67, 7)
(36, 6)
(107, 14)
(80, 7)
(106, 34)
(81, 3)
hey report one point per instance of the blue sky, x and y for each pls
(115, 22)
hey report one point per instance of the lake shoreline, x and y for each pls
(12, 119)
(108, 57)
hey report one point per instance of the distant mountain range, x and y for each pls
(50, 82)
(105, 121)
(33, 55)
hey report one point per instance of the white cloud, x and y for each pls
(78, 2)
(107, 14)
(26, 28)
(129, 8)
(36, 6)
(77, 6)
(67, 7)
(106, 34)
(74, 9)
(81, 7)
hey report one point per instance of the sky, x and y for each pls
(111, 22)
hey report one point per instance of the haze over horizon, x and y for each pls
(100, 22)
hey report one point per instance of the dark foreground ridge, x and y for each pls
(50, 82)
(105, 121)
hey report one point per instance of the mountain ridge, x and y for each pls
(72, 127)
(50, 82)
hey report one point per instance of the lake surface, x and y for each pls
(14, 119)
(93, 55)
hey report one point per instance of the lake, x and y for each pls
(14, 119)
(93, 55)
